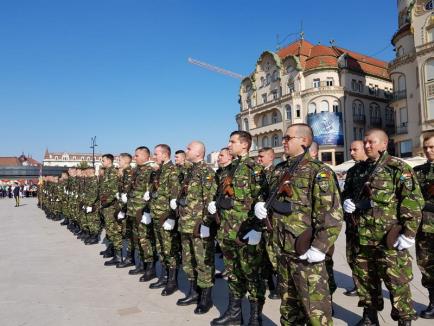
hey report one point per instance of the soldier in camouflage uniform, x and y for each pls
(67, 199)
(388, 211)
(266, 159)
(357, 153)
(196, 240)
(90, 203)
(236, 196)
(308, 216)
(162, 194)
(107, 197)
(425, 233)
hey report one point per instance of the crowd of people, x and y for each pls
(275, 225)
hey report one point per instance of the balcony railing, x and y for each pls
(375, 121)
(399, 95)
(359, 118)
(402, 128)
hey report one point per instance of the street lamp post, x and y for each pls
(93, 145)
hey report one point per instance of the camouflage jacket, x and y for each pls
(124, 181)
(247, 184)
(164, 188)
(396, 199)
(316, 205)
(108, 187)
(90, 197)
(139, 184)
(195, 195)
(425, 176)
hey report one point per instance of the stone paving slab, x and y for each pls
(48, 277)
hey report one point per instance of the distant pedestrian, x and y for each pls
(16, 192)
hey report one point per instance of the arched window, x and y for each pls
(361, 108)
(264, 120)
(246, 124)
(298, 111)
(324, 106)
(262, 81)
(274, 78)
(335, 106)
(268, 79)
(274, 117)
(311, 108)
(429, 70)
(265, 142)
(354, 108)
(401, 83)
(276, 142)
(288, 112)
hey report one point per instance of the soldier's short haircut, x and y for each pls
(224, 149)
(244, 136)
(180, 151)
(266, 149)
(303, 130)
(165, 148)
(144, 148)
(126, 155)
(109, 156)
(377, 131)
(426, 138)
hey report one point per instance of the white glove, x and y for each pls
(146, 196)
(253, 237)
(260, 210)
(88, 209)
(76, 195)
(212, 209)
(124, 198)
(313, 255)
(204, 231)
(169, 224)
(57, 199)
(121, 215)
(349, 206)
(403, 242)
(173, 204)
(117, 196)
(146, 218)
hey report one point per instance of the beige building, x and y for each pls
(412, 73)
(303, 80)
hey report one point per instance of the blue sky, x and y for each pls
(70, 70)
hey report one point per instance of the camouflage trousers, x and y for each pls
(425, 257)
(351, 247)
(198, 259)
(305, 294)
(112, 226)
(91, 222)
(146, 242)
(376, 263)
(243, 265)
(168, 244)
(269, 267)
(329, 268)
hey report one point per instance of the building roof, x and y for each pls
(321, 56)
(9, 161)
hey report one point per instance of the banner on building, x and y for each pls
(327, 128)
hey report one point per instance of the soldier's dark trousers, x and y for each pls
(425, 257)
(305, 294)
(376, 263)
(243, 265)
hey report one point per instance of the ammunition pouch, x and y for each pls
(392, 235)
(282, 208)
(226, 203)
(428, 208)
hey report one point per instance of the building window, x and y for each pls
(264, 120)
(246, 124)
(335, 106)
(316, 83)
(326, 157)
(401, 83)
(430, 35)
(291, 87)
(361, 133)
(324, 106)
(262, 81)
(264, 98)
(274, 118)
(355, 133)
(403, 116)
(361, 86)
(276, 142)
(339, 158)
(274, 94)
(298, 111)
(329, 81)
(265, 142)
(354, 85)
(268, 78)
(429, 71)
(82, 158)
(288, 112)
(56, 157)
(311, 108)
(274, 77)
(406, 148)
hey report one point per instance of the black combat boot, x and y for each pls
(127, 261)
(86, 236)
(192, 296)
(255, 313)
(428, 313)
(65, 221)
(115, 260)
(161, 282)
(109, 252)
(149, 272)
(233, 314)
(205, 302)
(404, 322)
(370, 318)
(139, 264)
(274, 295)
(93, 239)
(77, 230)
(351, 292)
(172, 282)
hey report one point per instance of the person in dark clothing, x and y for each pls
(16, 192)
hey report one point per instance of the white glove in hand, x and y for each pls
(173, 204)
(204, 231)
(212, 209)
(313, 255)
(169, 224)
(260, 210)
(121, 215)
(146, 218)
(253, 237)
(146, 196)
(88, 209)
(349, 206)
(403, 242)
(124, 198)
(117, 196)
